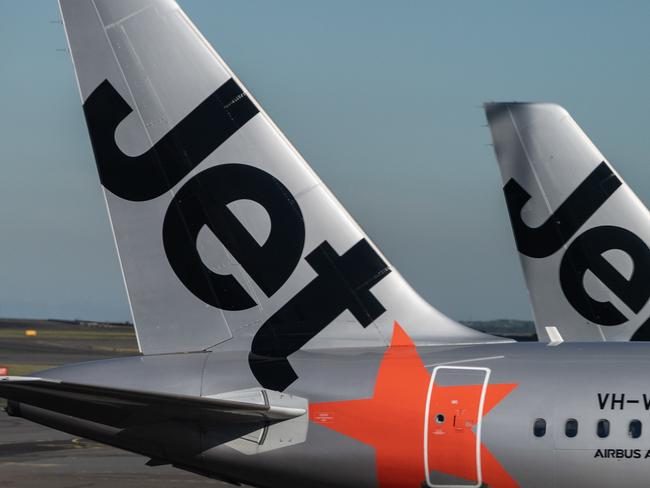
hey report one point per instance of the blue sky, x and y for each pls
(382, 98)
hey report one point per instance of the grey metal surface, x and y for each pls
(534, 381)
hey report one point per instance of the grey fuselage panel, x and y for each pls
(526, 382)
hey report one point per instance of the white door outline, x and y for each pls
(479, 423)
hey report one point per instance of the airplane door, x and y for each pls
(452, 424)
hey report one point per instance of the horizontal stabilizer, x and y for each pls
(125, 408)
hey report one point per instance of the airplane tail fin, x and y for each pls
(582, 234)
(223, 231)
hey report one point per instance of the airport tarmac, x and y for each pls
(32, 456)
(57, 343)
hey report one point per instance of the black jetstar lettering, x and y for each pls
(343, 281)
(586, 252)
(203, 201)
(547, 239)
(194, 138)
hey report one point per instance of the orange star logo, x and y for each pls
(392, 421)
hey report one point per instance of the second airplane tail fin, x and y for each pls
(582, 234)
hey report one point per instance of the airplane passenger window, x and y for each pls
(571, 428)
(603, 428)
(634, 430)
(539, 428)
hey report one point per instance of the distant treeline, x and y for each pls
(53, 323)
(520, 330)
(92, 323)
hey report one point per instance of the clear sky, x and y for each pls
(381, 97)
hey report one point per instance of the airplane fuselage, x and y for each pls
(501, 415)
